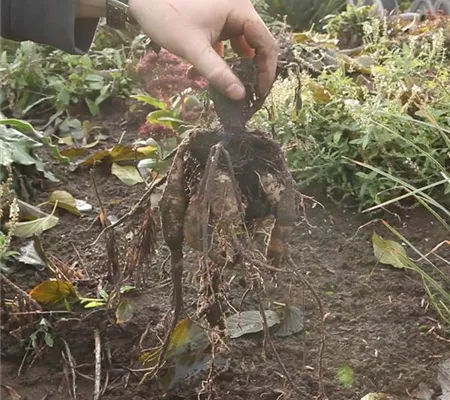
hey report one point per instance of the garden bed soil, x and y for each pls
(379, 322)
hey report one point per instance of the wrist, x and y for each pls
(91, 8)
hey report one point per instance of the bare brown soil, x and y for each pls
(379, 321)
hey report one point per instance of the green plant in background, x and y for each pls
(18, 159)
(302, 14)
(34, 77)
(7, 196)
(430, 266)
(374, 111)
(349, 26)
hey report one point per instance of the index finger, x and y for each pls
(259, 37)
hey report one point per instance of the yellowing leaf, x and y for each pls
(65, 200)
(96, 157)
(27, 229)
(121, 152)
(389, 252)
(319, 93)
(124, 312)
(127, 174)
(302, 37)
(186, 337)
(148, 150)
(73, 152)
(50, 293)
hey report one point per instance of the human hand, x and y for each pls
(194, 29)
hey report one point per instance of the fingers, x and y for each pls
(258, 37)
(219, 48)
(213, 67)
(241, 47)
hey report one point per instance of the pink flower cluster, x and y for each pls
(157, 132)
(166, 75)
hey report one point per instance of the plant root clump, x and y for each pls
(223, 182)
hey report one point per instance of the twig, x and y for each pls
(323, 317)
(268, 338)
(154, 185)
(70, 360)
(111, 249)
(23, 295)
(98, 364)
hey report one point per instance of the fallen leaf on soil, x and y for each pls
(186, 355)
(29, 255)
(65, 200)
(50, 293)
(120, 152)
(346, 376)
(423, 392)
(73, 152)
(292, 321)
(29, 212)
(124, 312)
(389, 252)
(376, 396)
(127, 174)
(246, 322)
(11, 394)
(35, 227)
(187, 336)
(444, 379)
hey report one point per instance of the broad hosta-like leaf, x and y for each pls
(50, 293)
(28, 229)
(444, 379)
(127, 174)
(246, 322)
(292, 321)
(64, 200)
(186, 355)
(124, 312)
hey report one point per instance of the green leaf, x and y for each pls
(94, 303)
(151, 100)
(164, 117)
(26, 127)
(127, 174)
(124, 312)
(246, 322)
(48, 338)
(346, 376)
(93, 107)
(389, 252)
(65, 200)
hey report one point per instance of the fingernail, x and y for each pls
(235, 91)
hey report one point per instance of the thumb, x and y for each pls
(214, 68)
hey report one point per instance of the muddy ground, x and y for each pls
(380, 323)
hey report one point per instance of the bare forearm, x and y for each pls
(91, 8)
